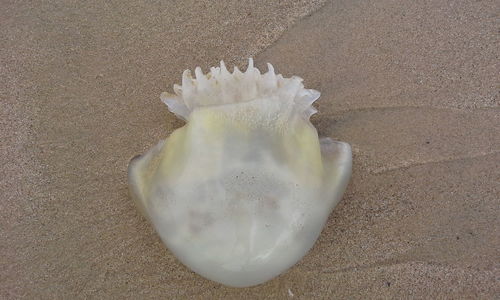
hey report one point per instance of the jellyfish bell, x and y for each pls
(241, 192)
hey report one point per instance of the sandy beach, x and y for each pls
(413, 86)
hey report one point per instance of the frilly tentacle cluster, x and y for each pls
(220, 87)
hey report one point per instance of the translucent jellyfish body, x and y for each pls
(241, 192)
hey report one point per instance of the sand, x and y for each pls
(413, 87)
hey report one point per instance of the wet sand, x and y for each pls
(413, 87)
